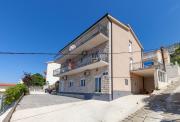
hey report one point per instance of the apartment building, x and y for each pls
(105, 62)
(154, 68)
(50, 78)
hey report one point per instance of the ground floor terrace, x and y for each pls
(96, 83)
(148, 80)
(89, 84)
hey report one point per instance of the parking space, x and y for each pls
(40, 100)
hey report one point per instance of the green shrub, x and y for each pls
(13, 93)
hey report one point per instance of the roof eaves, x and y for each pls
(135, 36)
(84, 31)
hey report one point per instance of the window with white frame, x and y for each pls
(82, 82)
(131, 63)
(161, 76)
(71, 83)
(130, 46)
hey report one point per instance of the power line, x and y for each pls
(26, 53)
(56, 54)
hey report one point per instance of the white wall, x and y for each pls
(49, 73)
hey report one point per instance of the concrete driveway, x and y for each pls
(40, 100)
(47, 108)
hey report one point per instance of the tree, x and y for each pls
(33, 79)
(27, 79)
(175, 57)
(38, 80)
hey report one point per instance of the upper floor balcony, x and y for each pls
(89, 62)
(150, 56)
(145, 65)
(92, 38)
(145, 69)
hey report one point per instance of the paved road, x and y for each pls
(163, 108)
(40, 100)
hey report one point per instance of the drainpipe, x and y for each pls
(162, 54)
(111, 61)
(143, 86)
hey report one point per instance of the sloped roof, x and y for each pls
(127, 27)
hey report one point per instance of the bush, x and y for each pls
(14, 93)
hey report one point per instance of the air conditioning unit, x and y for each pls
(86, 73)
(72, 47)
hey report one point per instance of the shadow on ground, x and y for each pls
(165, 103)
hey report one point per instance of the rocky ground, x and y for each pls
(164, 107)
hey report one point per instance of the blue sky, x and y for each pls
(48, 25)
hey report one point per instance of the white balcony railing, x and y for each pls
(144, 65)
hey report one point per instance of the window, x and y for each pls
(131, 64)
(126, 81)
(71, 83)
(161, 76)
(130, 46)
(82, 82)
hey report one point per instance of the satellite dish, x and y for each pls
(72, 47)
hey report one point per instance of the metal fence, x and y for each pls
(89, 59)
(100, 28)
(3, 107)
(143, 65)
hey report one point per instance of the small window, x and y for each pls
(82, 82)
(130, 46)
(71, 84)
(126, 81)
(131, 63)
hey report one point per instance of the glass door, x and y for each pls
(98, 84)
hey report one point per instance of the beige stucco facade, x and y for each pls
(104, 66)
(121, 57)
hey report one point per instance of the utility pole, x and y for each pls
(162, 54)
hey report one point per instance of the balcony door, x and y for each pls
(97, 84)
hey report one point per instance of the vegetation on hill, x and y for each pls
(33, 79)
(175, 57)
(14, 93)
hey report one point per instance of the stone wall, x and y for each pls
(172, 70)
(89, 82)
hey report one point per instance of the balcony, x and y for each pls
(145, 69)
(145, 65)
(150, 56)
(88, 63)
(94, 37)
